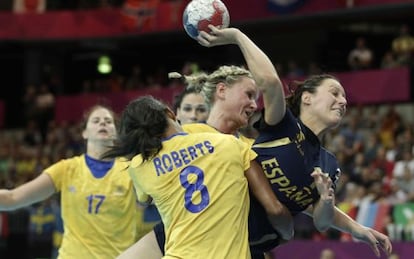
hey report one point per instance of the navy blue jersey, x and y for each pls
(288, 152)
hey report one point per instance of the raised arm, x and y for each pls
(279, 215)
(262, 69)
(31, 192)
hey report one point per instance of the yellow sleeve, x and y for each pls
(142, 197)
(247, 153)
(56, 171)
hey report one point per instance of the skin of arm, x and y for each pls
(325, 215)
(262, 69)
(279, 215)
(345, 223)
(324, 208)
(31, 192)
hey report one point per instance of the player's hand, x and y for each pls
(324, 185)
(374, 239)
(218, 36)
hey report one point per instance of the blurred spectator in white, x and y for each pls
(403, 45)
(360, 57)
(327, 254)
(29, 6)
(404, 168)
(394, 256)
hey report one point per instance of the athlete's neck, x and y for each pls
(314, 124)
(95, 149)
(222, 126)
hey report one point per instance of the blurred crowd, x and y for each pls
(374, 144)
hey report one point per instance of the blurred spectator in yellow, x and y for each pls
(403, 45)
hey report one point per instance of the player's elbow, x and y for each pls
(269, 81)
(7, 201)
(282, 221)
(322, 226)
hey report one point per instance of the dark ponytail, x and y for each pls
(142, 126)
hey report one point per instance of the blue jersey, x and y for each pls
(288, 152)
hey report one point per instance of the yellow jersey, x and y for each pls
(198, 184)
(99, 214)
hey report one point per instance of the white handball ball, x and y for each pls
(198, 14)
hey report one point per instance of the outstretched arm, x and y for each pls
(373, 238)
(31, 192)
(262, 69)
(279, 215)
(325, 214)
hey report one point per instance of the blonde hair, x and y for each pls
(206, 84)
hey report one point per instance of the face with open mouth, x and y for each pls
(328, 103)
(240, 101)
(100, 125)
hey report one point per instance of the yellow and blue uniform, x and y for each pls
(288, 152)
(192, 128)
(203, 127)
(198, 184)
(98, 204)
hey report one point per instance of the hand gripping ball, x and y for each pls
(198, 14)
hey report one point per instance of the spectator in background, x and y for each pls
(135, 80)
(29, 6)
(360, 57)
(314, 68)
(190, 68)
(394, 256)
(41, 227)
(294, 71)
(403, 46)
(327, 254)
(31, 137)
(403, 174)
(389, 61)
(45, 104)
(29, 102)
